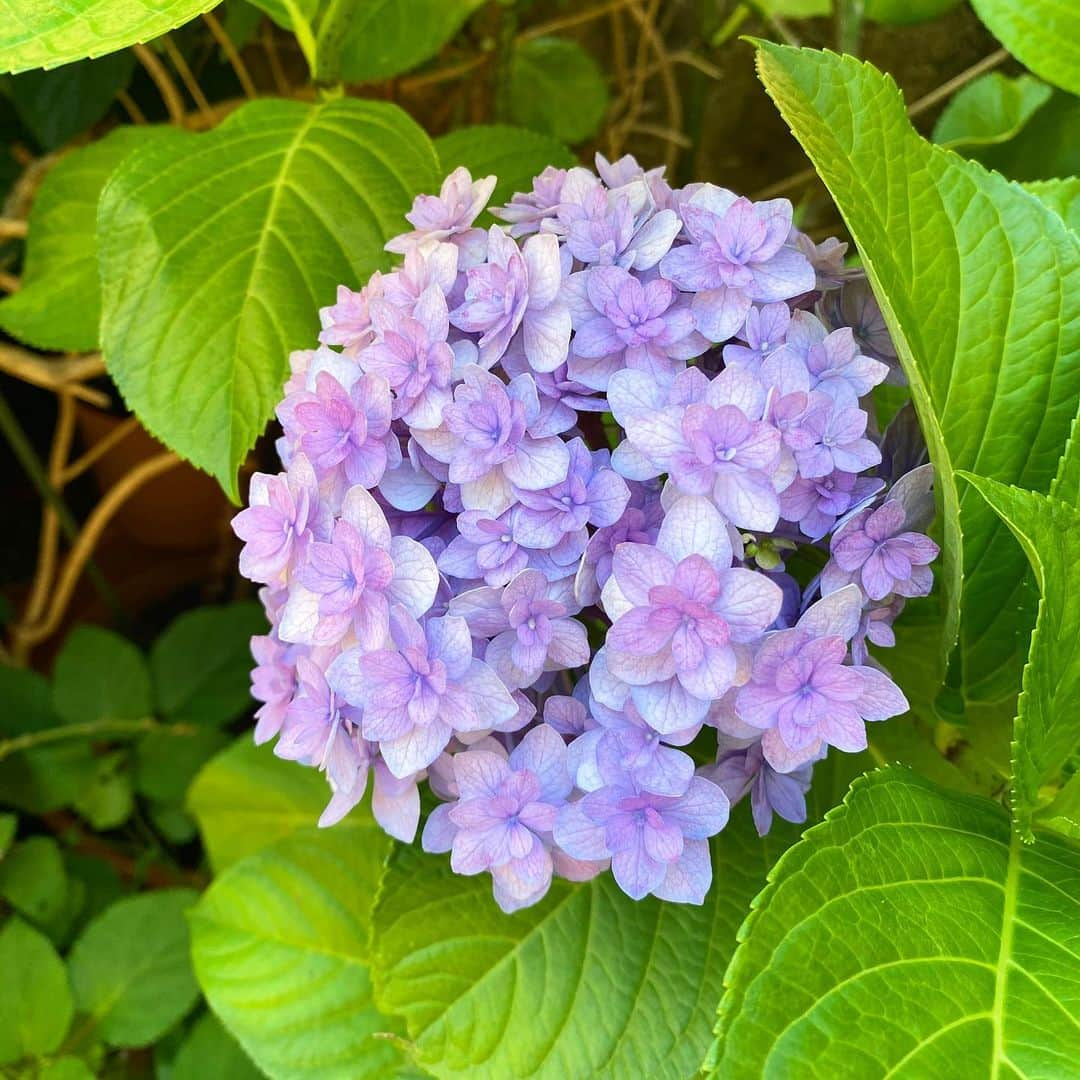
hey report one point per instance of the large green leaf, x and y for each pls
(202, 663)
(246, 799)
(1041, 33)
(980, 285)
(366, 40)
(1047, 730)
(209, 1050)
(35, 1000)
(990, 110)
(280, 943)
(1047, 148)
(556, 87)
(586, 983)
(130, 969)
(52, 32)
(60, 271)
(217, 254)
(514, 155)
(908, 936)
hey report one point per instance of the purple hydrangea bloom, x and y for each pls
(517, 287)
(503, 817)
(680, 619)
(743, 770)
(484, 441)
(530, 626)
(448, 215)
(591, 493)
(645, 326)
(350, 582)
(415, 695)
(763, 332)
(875, 551)
(454, 512)
(658, 844)
(277, 525)
(736, 255)
(350, 428)
(804, 695)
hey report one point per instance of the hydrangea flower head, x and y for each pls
(538, 542)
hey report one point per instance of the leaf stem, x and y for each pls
(88, 729)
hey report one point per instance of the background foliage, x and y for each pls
(182, 186)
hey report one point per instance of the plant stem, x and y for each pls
(88, 729)
(20, 444)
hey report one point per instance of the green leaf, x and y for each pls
(100, 675)
(280, 943)
(1047, 729)
(908, 935)
(588, 982)
(216, 256)
(1040, 33)
(795, 9)
(902, 12)
(1062, 196)
(556, 87)
(246, 798)
(980, 286)
(60, 271)
(130, 969)
(33, 880)
(992, 109)
(55, 106)
(201, 664)
(49, 34)
(209, 1050)
(35, 1000)
(514, 155)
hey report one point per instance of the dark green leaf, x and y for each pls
(57, 105)
(909, 936)
(65, 1068)
(1040, 33)
(280, 943)
(1047, 148)
(49, 34)
(100, 676)
(202, 664)
(60, 271)
(557, 88)
(215, 260)
(980, 285)
(35, 1000)
(514, 155)
(992, 109)
(130, 969)
(9, 825)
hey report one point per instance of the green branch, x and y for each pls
(33, 739)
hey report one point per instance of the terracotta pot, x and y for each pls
(181, 510)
